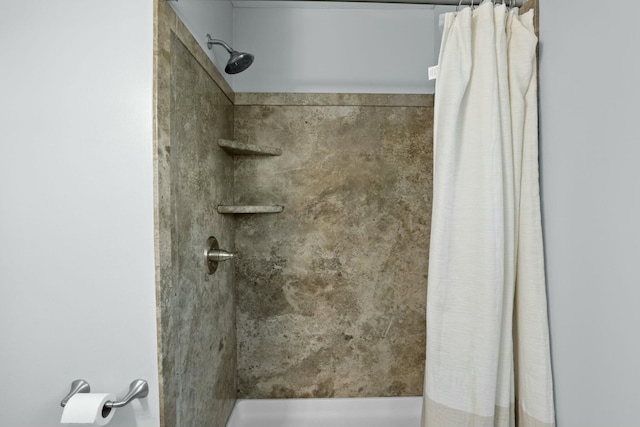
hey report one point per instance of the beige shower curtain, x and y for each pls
(488, 360)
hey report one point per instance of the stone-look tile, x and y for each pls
(331, 292)
(164, 21)
(196, 312)
(202, 173)
(336, 99)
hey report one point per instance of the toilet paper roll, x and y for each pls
(88, 409)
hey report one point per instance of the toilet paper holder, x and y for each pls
(137, 390)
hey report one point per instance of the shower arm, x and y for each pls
(211, 42)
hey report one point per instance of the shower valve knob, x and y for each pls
(213, 255)
(220, 255)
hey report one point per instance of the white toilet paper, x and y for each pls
(88, 409)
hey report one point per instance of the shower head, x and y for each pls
(238, 62)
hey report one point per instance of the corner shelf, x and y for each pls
(250, 209)
(241, 148)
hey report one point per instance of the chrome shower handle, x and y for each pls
(213, 255)
(219, 255)
(137, 390)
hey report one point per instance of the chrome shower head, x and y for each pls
(238, 62)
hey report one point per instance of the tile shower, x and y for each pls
(331, 292)
(325, 299)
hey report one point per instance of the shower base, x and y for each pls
(351, 412)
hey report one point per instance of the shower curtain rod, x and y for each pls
(516, 3)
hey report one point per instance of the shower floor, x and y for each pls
(351, 412)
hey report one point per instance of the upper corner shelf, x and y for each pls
(235, 147)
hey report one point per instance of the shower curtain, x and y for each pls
(488, 359)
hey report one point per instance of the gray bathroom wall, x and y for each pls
(76, 207)
(589, 150)
(331, 292)
(196, 311)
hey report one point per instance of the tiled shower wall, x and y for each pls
(331, 292)
(196, 311)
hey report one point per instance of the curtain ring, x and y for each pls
(459, 5)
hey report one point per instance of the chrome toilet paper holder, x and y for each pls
(137, 390)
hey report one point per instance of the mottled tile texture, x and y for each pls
(335, 99)
(196, 312)
(331, 292)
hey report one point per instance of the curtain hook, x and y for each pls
(459, 5)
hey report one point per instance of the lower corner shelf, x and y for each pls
(250, 209)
